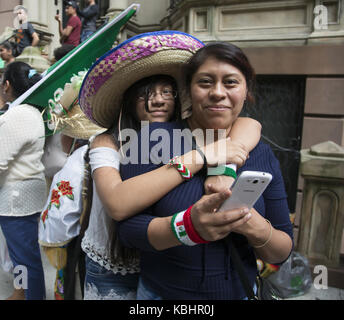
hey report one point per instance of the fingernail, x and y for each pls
(245, 210)
(249, 215)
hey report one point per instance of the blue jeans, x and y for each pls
(146, 293)
(21, 235)
(85, 34)
(103, 284)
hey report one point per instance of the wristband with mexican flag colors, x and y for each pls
(226, 170)
(178, 227)
(191, 231)
(184, 230)
(181, 168)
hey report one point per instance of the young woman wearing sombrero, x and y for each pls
(127, 85)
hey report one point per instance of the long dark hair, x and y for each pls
(21, 77)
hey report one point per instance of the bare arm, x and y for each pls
(147, 188)
(35, 39)
(258, 232)
(64, 33)
(67, 31)
(58, 19)
(247, 131)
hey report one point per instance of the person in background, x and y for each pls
(65, 206)
(22, 180)
(5, 260)
(6, 52)
(25, 34)
(60, 52)
(70, 35)
(88, 17)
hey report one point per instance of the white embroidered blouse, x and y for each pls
(97, 238)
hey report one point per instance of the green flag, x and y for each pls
(79, 59)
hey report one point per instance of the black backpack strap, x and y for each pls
(196, 147)
(239, 267)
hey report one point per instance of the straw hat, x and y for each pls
(162, 52)
(64, 114)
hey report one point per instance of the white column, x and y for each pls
(117, 6)
(52, 24)
(33, 7)
(43, 11)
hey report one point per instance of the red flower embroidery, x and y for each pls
(66, 189)
(44, 216)
(55, 198)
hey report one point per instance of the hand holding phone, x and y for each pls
(246, 190)
(57, 16)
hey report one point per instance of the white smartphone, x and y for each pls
(246, 190)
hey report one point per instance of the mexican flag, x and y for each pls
(80, 58)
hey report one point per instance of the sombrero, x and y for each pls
(64, 114)
(147, 54)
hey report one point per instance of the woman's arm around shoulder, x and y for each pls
(146, 188)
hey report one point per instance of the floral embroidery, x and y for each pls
(55, 199)
(66, 189)
(63, 189)
(44, 216)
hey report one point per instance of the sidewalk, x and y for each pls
(6, 286)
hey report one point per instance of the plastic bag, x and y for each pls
(293, 277)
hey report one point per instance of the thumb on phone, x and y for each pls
(211, 202)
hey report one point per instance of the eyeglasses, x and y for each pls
(165, 94)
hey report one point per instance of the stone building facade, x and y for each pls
(296, 47)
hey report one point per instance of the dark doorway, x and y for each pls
(279, 108)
